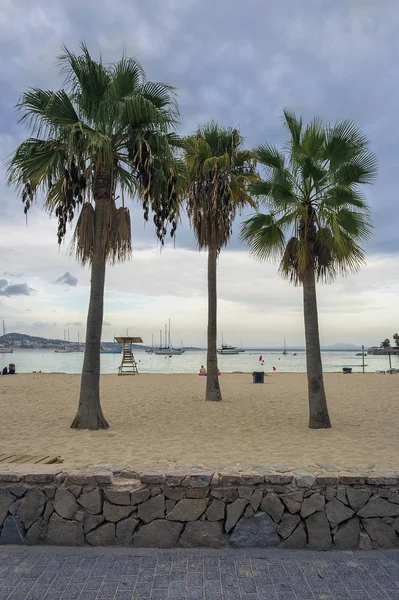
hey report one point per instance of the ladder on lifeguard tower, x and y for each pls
(128, 365)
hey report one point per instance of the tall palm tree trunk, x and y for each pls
(318, 411)
(89, 414)
(212, 381)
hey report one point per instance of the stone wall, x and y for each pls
(198, 509)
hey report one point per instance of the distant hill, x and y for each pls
(23, 340)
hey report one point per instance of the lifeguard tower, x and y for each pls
(128, 365)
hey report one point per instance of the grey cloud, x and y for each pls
(67, 279)
(74, 324)
(107, 324)
(14, 289)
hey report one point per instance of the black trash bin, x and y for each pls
(346, 370)
(11, 369)
(258, 377)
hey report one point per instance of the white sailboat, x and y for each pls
(5, 348)
(151, 350)
(167, 349)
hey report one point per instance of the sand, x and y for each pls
(160, 420)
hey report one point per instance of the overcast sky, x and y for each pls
(240, 63)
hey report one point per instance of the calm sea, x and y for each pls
(49, 361)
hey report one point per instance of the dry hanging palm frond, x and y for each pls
(83, 237)
(108, 232)
(123, 234)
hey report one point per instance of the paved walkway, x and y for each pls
(44, 573)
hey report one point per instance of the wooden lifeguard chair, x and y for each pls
(128, 365)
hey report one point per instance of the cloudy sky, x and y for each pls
(239, 63)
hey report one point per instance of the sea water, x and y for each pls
(48, 361)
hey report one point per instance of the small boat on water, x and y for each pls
(5, 348)
(360, 354)
(151, 350)
(167, 349)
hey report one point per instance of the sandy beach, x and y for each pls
(161, 420)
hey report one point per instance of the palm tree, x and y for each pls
(386, 343)
(396, 338)
(104, 136)
(316, 220)
(218, 171)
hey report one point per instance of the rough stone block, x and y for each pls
(198, 480)
(297, 540)
(12, 531)
(293, 501)
(92, 501)
(216, 510)
(394, 497)
(118, 495)
(93, 477)
(381, 534)
(337, 512)
(197, 492)
(114, 512)
(304, 479)
(6, 499)
(279, 478)
(258, 532)
(104, 535)
(341, 495)
(245, 492)
(169, 504)
(174, 493)
(152, 477)
(347, 536)
(50, 490)
(154, 508)
(9, 477)
(382, 479)
(249, 512)
(174, 479)
(256, 499)
(37, 474)
(17, 490)
(139, 496)
(312, 504)
(226, 494)
(287, 525)
(203, 534)
(35, 535)
(272, 505)
(91, 522)
(357, 498)
(188, 510)
(365, 542)
(158, 534)
(62, 532)
(319, 534)
(229, 479)
(378, 507)
(32, 507)
(125, 530)
(351, 479)
(329, 479)
(75, 490)
(395, 524)
(65, 503)
(331, 492)
(234, 512)
(249, 479)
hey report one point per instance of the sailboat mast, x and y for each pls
(160, 338)
(4, 329)
(169, 335)
(152, 341)
(166, 334)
